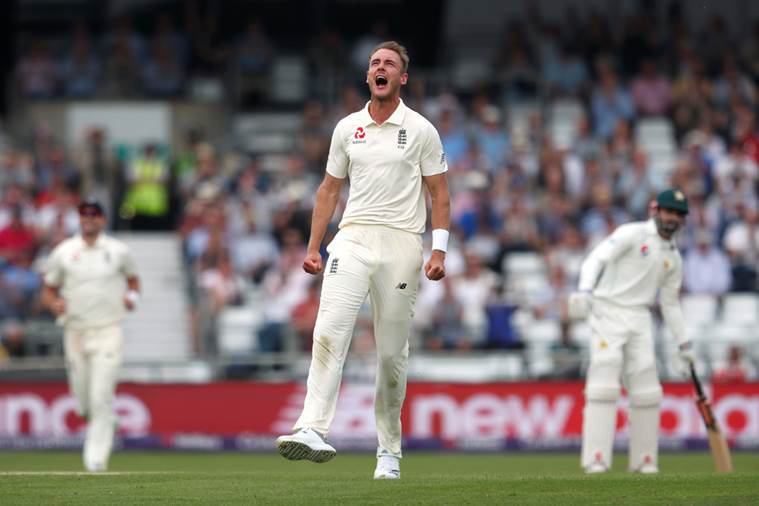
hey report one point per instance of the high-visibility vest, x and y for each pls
(149, 194)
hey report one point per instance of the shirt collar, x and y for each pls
(99, 242)
(399, 114)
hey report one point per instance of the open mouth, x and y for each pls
(380, 81)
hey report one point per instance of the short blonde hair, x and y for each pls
(393, 46)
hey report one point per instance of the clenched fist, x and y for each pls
(312, 264)
(434, 269)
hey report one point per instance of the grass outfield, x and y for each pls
(427, 478)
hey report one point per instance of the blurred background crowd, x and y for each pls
(566, 130)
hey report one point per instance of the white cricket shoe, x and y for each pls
(95, 467)
(596, 468)
(388, 468)
(306, 444)
(648, 468)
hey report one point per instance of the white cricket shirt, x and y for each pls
(637, 261)
(385, 164)
(91, 279)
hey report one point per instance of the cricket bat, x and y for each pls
(720, 451)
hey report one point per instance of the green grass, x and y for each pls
(427, 478)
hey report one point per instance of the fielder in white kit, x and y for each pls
(618, 284)
(388, 152)
(90, 281)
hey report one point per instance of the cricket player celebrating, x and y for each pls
(618, 282)
(388, 152)
(89, 281)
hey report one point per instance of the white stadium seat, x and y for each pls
(524, 263)
(741, 308)
(699, 309)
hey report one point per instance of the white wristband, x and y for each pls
(133, 296)
(440, 239)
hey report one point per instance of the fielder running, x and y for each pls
(89, 281)
(388, 152)
(618, 283)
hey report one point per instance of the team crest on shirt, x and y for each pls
(644, 251)
(359, 136)
(402, 138)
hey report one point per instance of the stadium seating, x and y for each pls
(155, 332)
(741, 308)
(656, 138)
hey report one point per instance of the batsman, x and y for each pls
(619, 282)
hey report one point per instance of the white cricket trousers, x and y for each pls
(622, 348)
(93, 357)
(385, 263)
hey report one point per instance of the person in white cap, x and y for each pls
(389, 153)
(90, 281)
(618, 284)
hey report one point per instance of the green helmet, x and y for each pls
(673, 199)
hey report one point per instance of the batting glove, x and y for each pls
(685, 351)
(578, 305)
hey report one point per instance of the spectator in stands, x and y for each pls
(314, 136)
(706, 268)
(163, 75)
(13, 340)
(584, 143)
(327, 57)
(492, 138)
(252, 60)
(146, 203)
(52, 171)
(17, 238)
(80, 69)
(745, 131)
(167, 34)
(122, 62)
(210, 220)
(734, 371)
(553, 207)
(741, 241)
(474, 289)
(303, 316)
(603, 215)
(222, 285)
(254, 252)
(551, 302)
(60, 211)
(285, 287)
(651, 90)
(611, 102)
(520, 229)
(446, 330)
(733, 85)
(691, 95)
(454, 138)
(736, 174)
(569, 253)
(16, 170)
(36, 72)
(21, 285)
(519, 79)
(564, 72)
(635, 186)
(98, 169)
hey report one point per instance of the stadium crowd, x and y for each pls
(514, 190)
